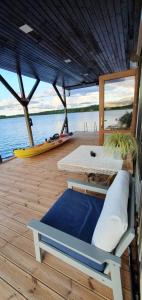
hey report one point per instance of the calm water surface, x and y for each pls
(13, 133)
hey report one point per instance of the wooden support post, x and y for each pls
(23, 100)
(63, 100)
(66, 113)
(25, 107)
(30, 135)
(101, 112)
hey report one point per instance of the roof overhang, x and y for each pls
(71, 43)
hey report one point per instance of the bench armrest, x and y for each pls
(87, 250)
(87, 186)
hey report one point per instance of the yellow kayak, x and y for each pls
(41, 148)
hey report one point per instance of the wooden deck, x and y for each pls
(27, 190)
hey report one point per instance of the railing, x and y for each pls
(90, 127)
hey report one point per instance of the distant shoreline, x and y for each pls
(90, 108)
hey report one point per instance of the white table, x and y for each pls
(80, 160)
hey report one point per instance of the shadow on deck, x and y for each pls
(28, 188)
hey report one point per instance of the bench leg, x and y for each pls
(116, 282)
(37, 248)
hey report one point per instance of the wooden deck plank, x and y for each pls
(28, 188)
(21, 252)
(27, 285)
(7, 292)
(46, 274)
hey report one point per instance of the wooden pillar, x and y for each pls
(30, 135)
(66, 127)
(101, 111)
(23, 100)
(63, 100)
(25, 103)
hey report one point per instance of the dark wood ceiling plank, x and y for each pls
(120, 29)
(63, 47)
(134, 14)
(110, 18)
(103, 35)
(101, 56)
(109, 32)
(72, 36)
(95, 35)
(54, 63)
(89, 30)
(125, 22)
(41, 70)
(28, 51)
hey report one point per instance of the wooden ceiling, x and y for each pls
(97, 36)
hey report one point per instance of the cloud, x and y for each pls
(84, 91)
(45, 98)
(89, 98)
(2, 107)
(50, 92)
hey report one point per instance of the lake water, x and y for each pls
(13, 133)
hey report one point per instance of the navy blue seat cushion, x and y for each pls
(77, 214)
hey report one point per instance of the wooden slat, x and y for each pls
(7, 292)
(65, 284)
(27, 285)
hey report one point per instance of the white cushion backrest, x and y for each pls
(113, 221)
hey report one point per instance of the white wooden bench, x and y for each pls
(111, 276)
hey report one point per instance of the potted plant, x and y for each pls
(121, 145)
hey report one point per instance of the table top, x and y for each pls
(80, 160)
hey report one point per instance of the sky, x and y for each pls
(45, 98)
